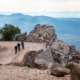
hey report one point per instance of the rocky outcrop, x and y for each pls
(60, 46)
(46, 33)
(75, 71)
(39, 59)
(42, 33)
(59, 71)
(29, 59)
(44, 60)
(72, 49)
(74, 55)
(22, 36)
(60, 51)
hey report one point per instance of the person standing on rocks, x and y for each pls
(22, 43)
(15, 48)
(18, 45)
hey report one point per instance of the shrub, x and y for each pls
(58, 55)
(9, 32)
(68, 66)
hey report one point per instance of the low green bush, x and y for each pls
(68, 66)
(58, 55)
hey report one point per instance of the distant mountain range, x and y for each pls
(67, 29)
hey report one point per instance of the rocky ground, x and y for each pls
(9, 72)
(25, 73)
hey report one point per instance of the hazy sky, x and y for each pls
(25, 6)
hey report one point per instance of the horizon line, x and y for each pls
(48, 14)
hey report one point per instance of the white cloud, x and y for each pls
(25, 6)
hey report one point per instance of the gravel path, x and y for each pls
(25, 73)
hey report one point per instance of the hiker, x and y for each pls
(22, 43)
(18, 46)
(15, 48)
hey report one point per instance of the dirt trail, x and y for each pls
(9, 56)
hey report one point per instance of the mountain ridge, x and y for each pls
(67, 29)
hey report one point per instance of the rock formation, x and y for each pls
(75, 71)
(22, 36)
(29, 59)
(72, 49)
(42, 33)
(46, 33)
(59, 71)
(74, 55)
(39, 59)
(60, 51)
(57, 49)
(44, 60)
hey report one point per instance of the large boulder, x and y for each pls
(60, 51)
(29, 59)
(41, 59)
(60, 46)
(75, 71)
(44, 60)
(74, 55)
(72, 49)
(22, 36)
(42, 33)
(59, 71)
(74, 58)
